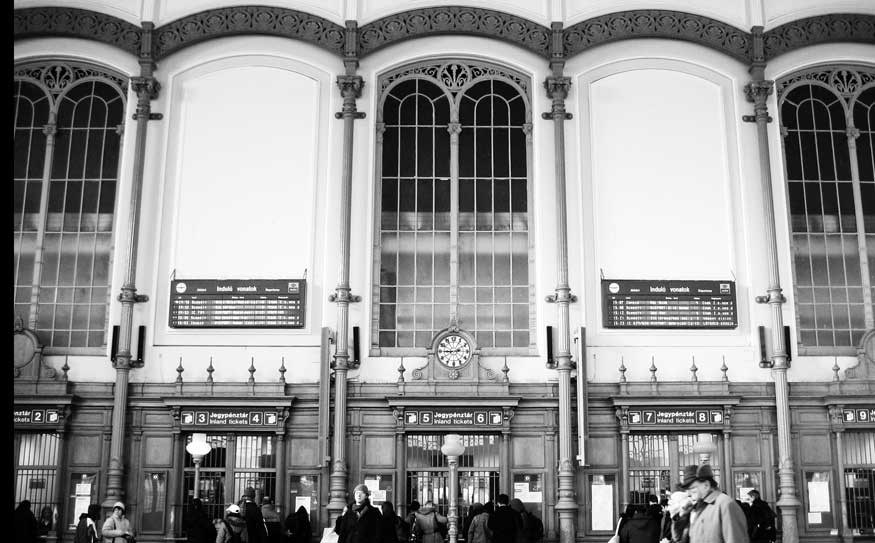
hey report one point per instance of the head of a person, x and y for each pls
(754, 495)
(249, 493)
(233, 510)
(652, 499)
(629, 512)
(517, 505)
(46, 513)
(387, 509)
(502, 500)
(699, 482)
(302, 511)
(489, 507)
(24, 505)
(118, 509)
(360, 494)
(427, 507)
(94, 511)
(476, 509)
(266, 501)
(414, 506)
(640, 510)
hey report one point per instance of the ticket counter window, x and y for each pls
(36, 469)
(859, 460)
(656, 462)
(235, 462)
(427, 470)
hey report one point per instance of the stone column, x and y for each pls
(557, 89)
(350, 86)
(146, 88)
(757, 92)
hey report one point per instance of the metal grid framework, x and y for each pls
(36, 470)
(859, 460)
(454, 233)
(427, 475)
(828, 122)
(250, 462)
(67, 140)
(653, 458)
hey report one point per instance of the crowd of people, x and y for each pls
(698, 512)
(505, 521)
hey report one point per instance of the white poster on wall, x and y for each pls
(602, 507)
(818, 496)
(302, 500)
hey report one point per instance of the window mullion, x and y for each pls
(868, 315)
(50, 130)
(454, 128)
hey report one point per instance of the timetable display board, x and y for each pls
(237, 303)
(669, 304)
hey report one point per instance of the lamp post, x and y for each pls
(453, 449)
(198, 448)
(705, 447)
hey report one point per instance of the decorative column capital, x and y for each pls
(147, 89)
(350, 86)
(557, 87)
(757, 91)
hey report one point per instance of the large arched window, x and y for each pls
(454, 242)
(828, 123)
(68, 121)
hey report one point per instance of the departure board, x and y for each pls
(669, 304)
(237, 303)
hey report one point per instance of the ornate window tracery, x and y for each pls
(68, 120)
(454, 242)
(828, 124)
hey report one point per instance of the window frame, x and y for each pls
(56, 78)
(431, 71)
(821, 76)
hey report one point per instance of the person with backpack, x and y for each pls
(86, 528)
(478, 531)
(232, 529)
(504, 522)
(430, 526)
(298, 526)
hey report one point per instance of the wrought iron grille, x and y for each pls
(36, 472)
(653, 458)
(859, 459)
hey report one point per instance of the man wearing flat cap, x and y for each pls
(716, 518)
(361, 522)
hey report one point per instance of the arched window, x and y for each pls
(828, 124)
(453, 243)
(67, 139)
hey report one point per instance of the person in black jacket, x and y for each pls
(198, 526)
(361, 523)
(254, 519)
(504, 522)
(298, 526)
(761, 522)
(641, 528)
(24, 523)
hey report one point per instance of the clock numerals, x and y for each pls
(453, 351)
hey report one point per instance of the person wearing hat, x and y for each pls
(361, 522)
(716, 517)
(117, 528)
(233, 526)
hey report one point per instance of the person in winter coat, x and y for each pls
(411, 514)
(761, 522)
(233, 523)
(272, 521)
(716, 518)
(298, 526)
(117, 528)
(252, 514)
(641, 528)
(393, 528)
(517, 506)
(198, 526)
(427, 524)
(678, 510)
(361, 523)
(504, 523)
(478, 531)
(24, 523)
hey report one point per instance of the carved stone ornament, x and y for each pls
(273, 21)
(78, 23)
(455, 75)
(454, 20)
(845, 80)
(865, 368)
(56, 77)
(27, 354)
(658, 24)
(839, 27)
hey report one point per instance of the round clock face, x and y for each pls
(454, 351)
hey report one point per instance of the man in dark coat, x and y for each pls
(761, 524)
(24, 523)
(641, 528)
(198, 525)
(361, 523)
(252, 514)
(504, 522)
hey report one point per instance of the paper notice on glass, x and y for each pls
(602, 507)
(83, 489)
(372, 484)
(302, 500)
(534, 497)
(520, 490)
(80, 506)
(815, 518)
(818, 496)
(329, 536)
(378, 496)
